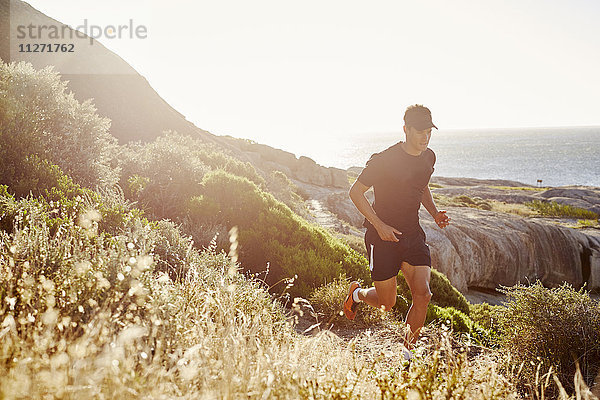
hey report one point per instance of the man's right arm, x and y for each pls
(357, 195)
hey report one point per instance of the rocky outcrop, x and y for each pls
(303, 169)
(486, 249)
(587, 198)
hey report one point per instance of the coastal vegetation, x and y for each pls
(554, 209)
(481, 204)
(170, 269)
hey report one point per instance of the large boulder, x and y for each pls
(486, 249)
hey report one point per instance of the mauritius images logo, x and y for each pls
(129, 30)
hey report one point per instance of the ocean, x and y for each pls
(557, 156)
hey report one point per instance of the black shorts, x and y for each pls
(385, 258)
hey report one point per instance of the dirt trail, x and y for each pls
(382, 342)
(322, 215)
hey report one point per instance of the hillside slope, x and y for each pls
(118, 91)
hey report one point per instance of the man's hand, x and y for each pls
(442, 219)
(387, 233)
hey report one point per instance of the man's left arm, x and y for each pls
(439, 216)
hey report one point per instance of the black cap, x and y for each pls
(419, 117)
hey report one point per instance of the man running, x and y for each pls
(394, 239)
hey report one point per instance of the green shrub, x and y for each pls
(486, 315)
(556, 328)
(63, 200)
(7, 211)
(554, 209)
(41, 177)
(272, 237)
(284, 190)
(201, 208)
(39, 117)
(163, 175)
(355, 242)
(459, 322)
(444, 294)
(216, 158)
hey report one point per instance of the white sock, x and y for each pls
(355, 295)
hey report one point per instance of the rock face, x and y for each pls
(486, 249)
(303, 169)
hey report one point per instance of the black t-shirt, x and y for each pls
(399, 180)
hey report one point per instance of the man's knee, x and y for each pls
(422, 299)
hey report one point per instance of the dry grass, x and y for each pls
(87, 316)
(512, 208)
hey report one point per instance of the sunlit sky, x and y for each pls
(283, 71)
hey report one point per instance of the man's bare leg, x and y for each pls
(417, 278)
(383, 295)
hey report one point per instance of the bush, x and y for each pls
(63, 200)
(216, 158)
(558, 328)
(284, 190)
(459, 322)
(554, 209)
(355, 242)
(487, 315)
(40, 177)
(163, 175)
(444, 294)
(271, 234)
(39, 118)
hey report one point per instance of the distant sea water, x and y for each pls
(557, 156)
